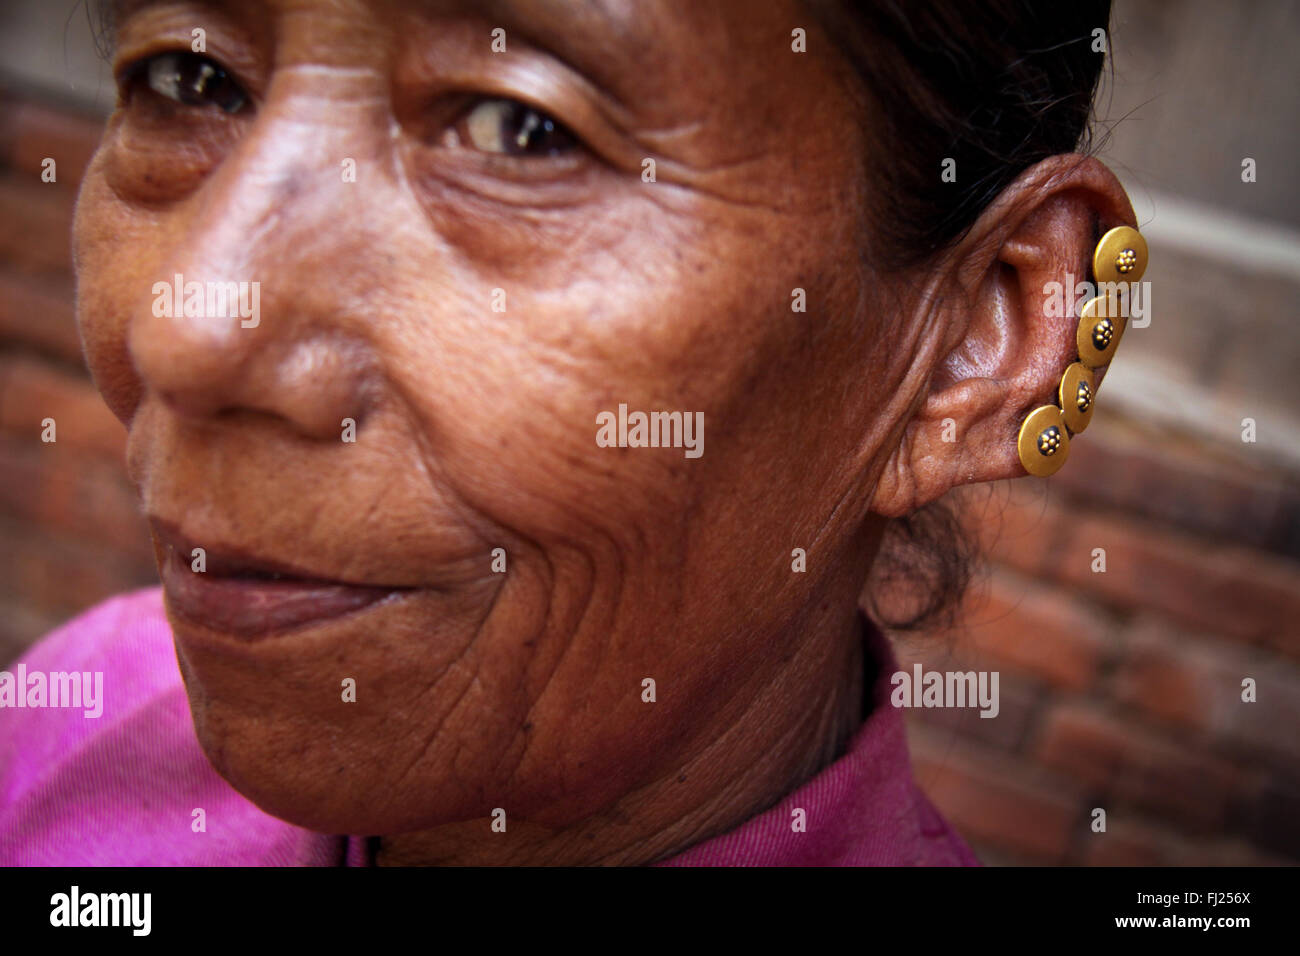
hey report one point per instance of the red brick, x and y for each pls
(60, 576)
(1229, 853)
(1086, 746)
(21, 625)
(990, 856)
(65, 489)
(996, 802)
(1035, 630)
(1018, 703)
(1017, 524)
(1121, 763)
(1143, 842)
(1270, 726)
(35, 131)
(1132, 468)
(37, 238)
(1272, 819)
(39, 314)
(31, 391)
(1196, 684)
(1168, 680)
(1238, 593)
(1126, 843)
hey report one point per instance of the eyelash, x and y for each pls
(486, 117)
(185, 78)
(206, 76)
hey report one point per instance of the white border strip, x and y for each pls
(1152, 392)
(1229, 238)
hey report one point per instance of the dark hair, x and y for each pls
(996, 86)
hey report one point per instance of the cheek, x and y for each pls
(113, 252)
(157, 154)
(699, 325)
(123, 231)
(509, 401)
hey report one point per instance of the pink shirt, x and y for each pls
(120, 789)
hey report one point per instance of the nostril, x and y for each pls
(187, 404)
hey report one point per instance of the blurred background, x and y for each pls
(1119, 690)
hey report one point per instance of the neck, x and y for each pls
(798, 718)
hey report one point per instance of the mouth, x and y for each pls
(249, 597)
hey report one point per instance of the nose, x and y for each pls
(248, 311)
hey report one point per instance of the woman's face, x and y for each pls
(473, 298)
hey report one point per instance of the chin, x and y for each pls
(272, 718)
(327, 781)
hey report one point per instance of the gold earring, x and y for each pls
(1044, 440)
(1076, 392)
(1101, 326)
(1120, 256)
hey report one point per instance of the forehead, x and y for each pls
(627, 34)
(615, 19)
(717, 54)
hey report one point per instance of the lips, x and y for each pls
(249, 597)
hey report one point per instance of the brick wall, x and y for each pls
(72, 533)
(1122, 689)
(1119, 689)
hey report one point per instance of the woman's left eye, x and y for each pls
(191, 80)
(510, 128)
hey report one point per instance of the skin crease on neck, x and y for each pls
(476, 428)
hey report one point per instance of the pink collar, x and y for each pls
(121, 789)
(862, 810)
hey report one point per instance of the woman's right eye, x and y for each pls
(189, 79)
(511, 128)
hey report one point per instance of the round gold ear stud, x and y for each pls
(1044, 443)
(1101, 326)
(1076, 392)
(1044, 440)
(1120, 256)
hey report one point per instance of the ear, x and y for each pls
(1001, 349)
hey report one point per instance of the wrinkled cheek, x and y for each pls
(105, 284)
(117, 249)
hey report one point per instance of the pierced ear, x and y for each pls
(1008, 325)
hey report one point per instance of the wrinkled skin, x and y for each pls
(475, 428)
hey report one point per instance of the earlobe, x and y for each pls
(1022, 378)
